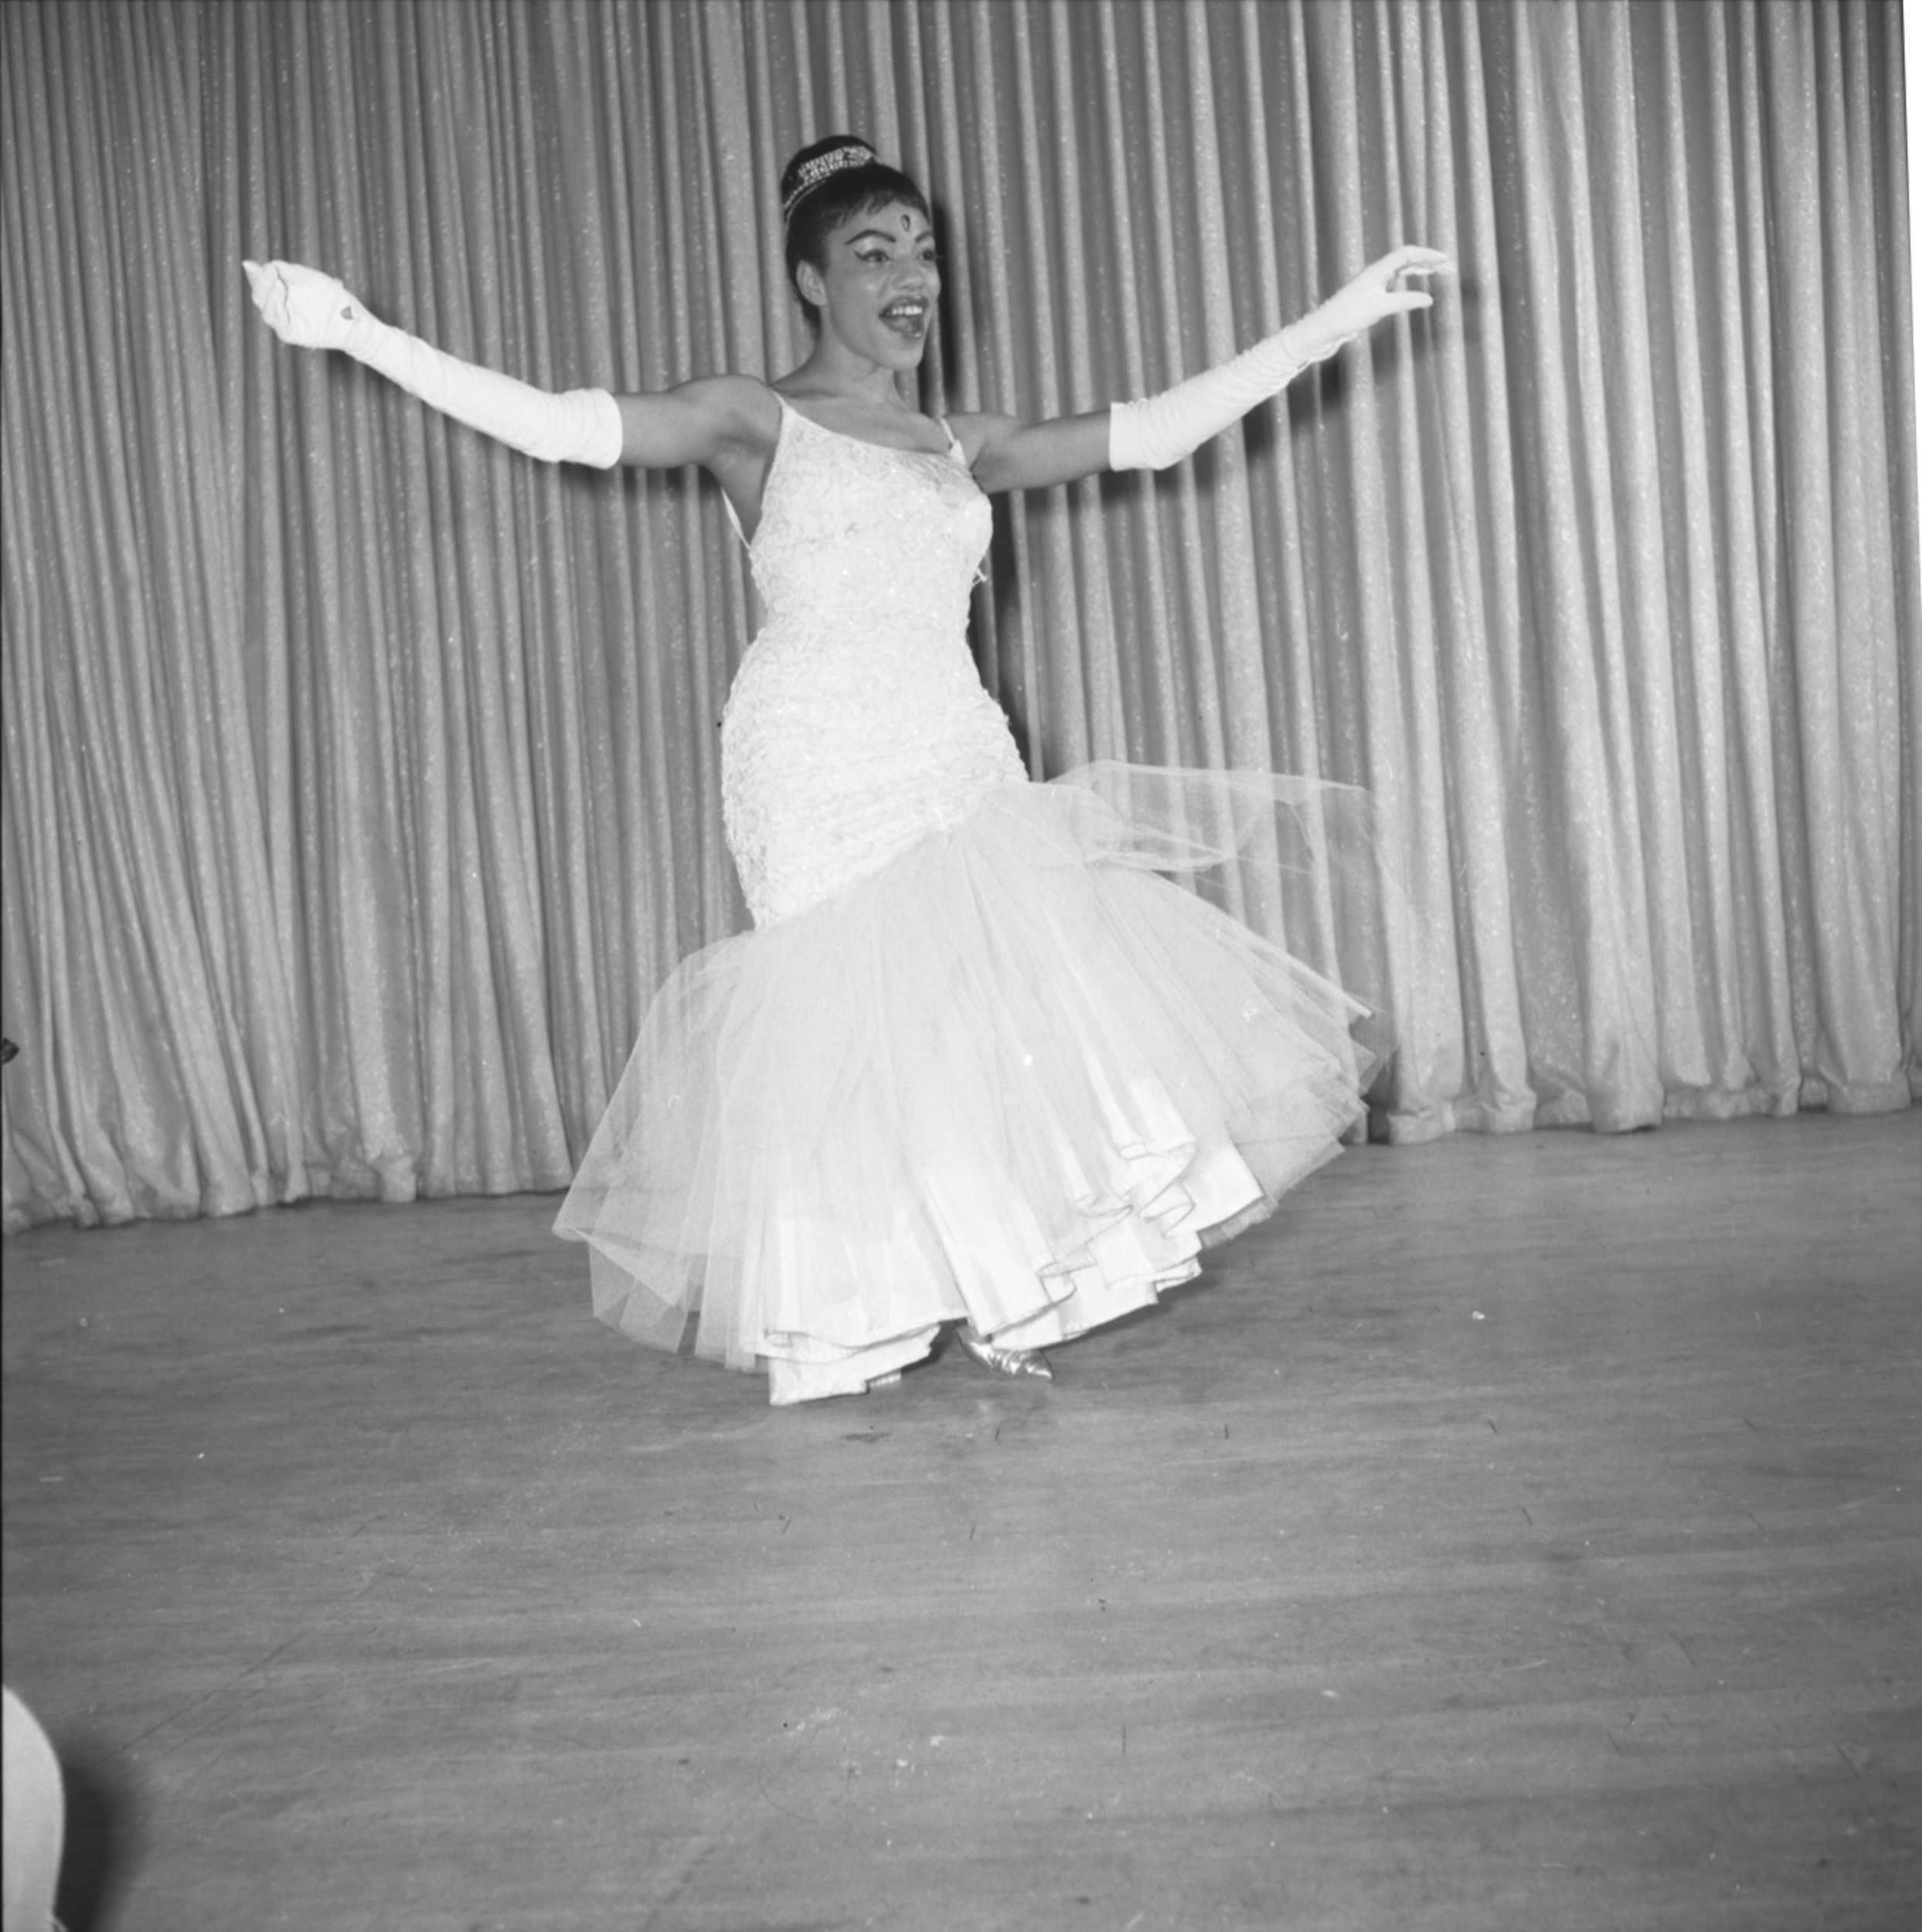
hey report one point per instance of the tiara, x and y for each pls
(813, 173)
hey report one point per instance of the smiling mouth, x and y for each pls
(908, 317)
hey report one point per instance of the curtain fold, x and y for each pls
(361, 778)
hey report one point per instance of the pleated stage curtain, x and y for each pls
(361, 779)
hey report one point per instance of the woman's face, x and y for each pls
(877, 289)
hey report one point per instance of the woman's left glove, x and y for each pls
(1160, 430)
(1371, 298)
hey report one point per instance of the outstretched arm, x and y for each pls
(707, 421)
(312, 310)
(1009, 454)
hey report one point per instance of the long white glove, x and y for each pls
(1161, 430)
(313, 311)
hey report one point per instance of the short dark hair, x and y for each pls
(857, 190)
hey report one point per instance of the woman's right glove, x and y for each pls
(311, 310)
(1160, 430)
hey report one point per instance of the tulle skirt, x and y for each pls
(1017, 1077)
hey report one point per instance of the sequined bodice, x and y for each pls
(853, 535)
(857, 722)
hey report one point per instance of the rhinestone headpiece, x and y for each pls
(813, 173)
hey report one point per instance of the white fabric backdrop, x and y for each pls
(360, 777)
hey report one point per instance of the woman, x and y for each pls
(977, 1067)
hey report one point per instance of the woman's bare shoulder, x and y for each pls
(977, 430)
(984, 419)
(1006, 453)
(743, 401)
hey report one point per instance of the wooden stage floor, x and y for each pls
(1513, 1533)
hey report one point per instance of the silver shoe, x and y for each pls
(1003, 1362)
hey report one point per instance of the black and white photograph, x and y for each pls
(962, 966)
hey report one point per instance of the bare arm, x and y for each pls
(728, 423)
(725, 423)
(1007, 453)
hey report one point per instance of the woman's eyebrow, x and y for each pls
(878, 234)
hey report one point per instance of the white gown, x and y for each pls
(977, 1061)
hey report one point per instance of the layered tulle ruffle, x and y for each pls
(1014, 1076)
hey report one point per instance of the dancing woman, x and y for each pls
(978, 1068)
